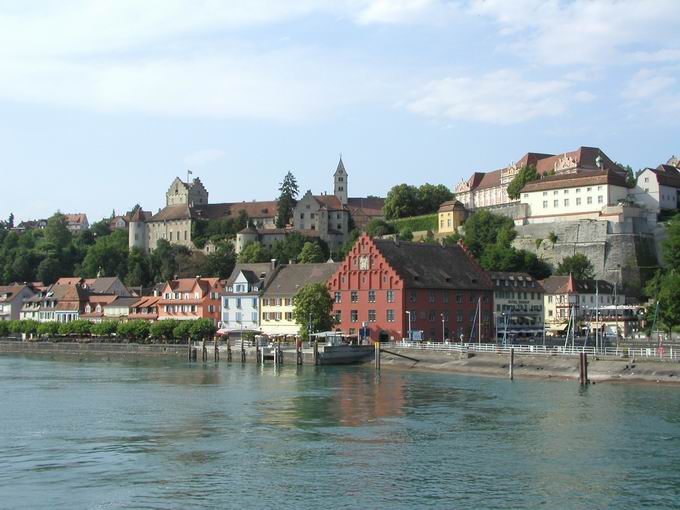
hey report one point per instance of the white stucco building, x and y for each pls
(657, 188)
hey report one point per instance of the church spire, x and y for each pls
(341, 167)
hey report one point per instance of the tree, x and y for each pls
(254, 252)
(289, 248)
(182, 330)
(48, 329)
(10, 221)
(104, 329)
(49, 270)
(287, 200)
(57, 231)
(133, 330)
(431, 196)
(347, 245)
(108, 256)
(483, 229)
(202, 329)
(669, 300)
(401, 202)
(377, 227)
(163, 330)
(313, 303)
(525, 175)
(671, 245)
(221, 263)
(139, 272)
(101, 228)
(578, 265)
(311, 253)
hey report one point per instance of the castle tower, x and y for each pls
(340, 182)
(192, 193)
(138, 232)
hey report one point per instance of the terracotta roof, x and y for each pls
(146, 302)
(266, 209)
(576, 180)
(69, 280)
(571, 285)
(330, 202)
(432, 266)
(290, 278)
(451, 205)
(76, 218)
(11, 291)
(187, 284)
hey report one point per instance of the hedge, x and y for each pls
(416, 223)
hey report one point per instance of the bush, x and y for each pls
(48, 329)
(202, 329)
(106, 328)
(134, 330)
(163, 330)
(182, 331)
(65, 328)
(416, 223)
(81, 327)
(4, 328)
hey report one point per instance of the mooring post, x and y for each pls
(512, 363)
(228, 349)
(585, 368)
(243, 351)
(279, 352)
(189, 349)
(257, 351)
(217, 351)
(298, 350)
(581, 379)
(377, 355)
(316, 351)
(204, 351)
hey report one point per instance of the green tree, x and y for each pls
(4, 328)
(221, 263)
(671, 245)
(347, 245)
(669, 300)
(483, 229)
(578, 265)
(401, 202)
(202, 329)
(48, 329)
(104, 329)
(139, 271)
(49, 270)
(163, 330)
(182, 331)
(288, 248)
(101, 228)
(431, 196)
(313, 303)
(108, 256)
(525, 175)
(133, 330)
(311, 253)
(10, 221)
(287, 200)
(254, 252)
(57, 231)
(81, 327)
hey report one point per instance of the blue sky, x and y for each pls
(103, 103)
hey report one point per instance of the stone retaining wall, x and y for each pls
(94, 348)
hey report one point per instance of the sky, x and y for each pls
(103, 103)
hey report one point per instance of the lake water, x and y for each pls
(166, 434)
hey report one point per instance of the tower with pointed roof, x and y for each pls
(340, 182)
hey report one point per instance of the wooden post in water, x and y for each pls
(257, 351)
(204, 351)
(512, 363)
(585, 369)
(298, 351)
(189, 348)
(316, 351)
(377, 355)
(581, 374)
(217, 351)
(243, 351)
(279, 352)
(228, 349)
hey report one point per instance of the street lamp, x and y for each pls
(410, 333)
(443, 328)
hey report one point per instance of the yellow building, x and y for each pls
(277, 304)
(451, 216)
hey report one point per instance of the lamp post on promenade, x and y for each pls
(443, 328)
(410, 333)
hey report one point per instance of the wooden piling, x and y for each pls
(377, 355)
(228, 350)
(316, 351)
(204, 351)
(298, 350)
(585, 368)
(581, 373)
(243, 351)
(279, 353)
(512, 363)
(189, 349)
(217, 351)
(258, 358)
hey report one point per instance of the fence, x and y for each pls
(666, 353)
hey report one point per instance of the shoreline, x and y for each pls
(600, 369)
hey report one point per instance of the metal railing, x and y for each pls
(667, 353)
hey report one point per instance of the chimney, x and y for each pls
(156, 293)
(273, 261)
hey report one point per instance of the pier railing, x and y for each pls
(667, 353)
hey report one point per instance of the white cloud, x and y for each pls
(405, 11)
(598, 32)
(203, 157)
(654, 91)
(502, 97)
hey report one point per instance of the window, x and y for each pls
(338, 316)
(589, 200)
(371, 316)
(545, 193)
(555, 192)
(253, 316)
(414, 296)
(600, 199)
(390, 315)
(338, 297)
(545, 204)
(471, 297)
(578, 190)
(578, 200)
(459, 316)
(371, 296)
(556, 203)
(445, 296)
(211, 308)
(526, 195)
(355, 296)
(566, 191)
(566, 202)
(354, 316)
(390, 296)
(432, 316)
(431, 296)
(550, 298)
(646, 179)
(589, 189)
(459, 297)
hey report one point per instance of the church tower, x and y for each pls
(340, 182)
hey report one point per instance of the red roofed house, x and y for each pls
(191, 298)
(146, 308)
(442, 288)
(76, 222)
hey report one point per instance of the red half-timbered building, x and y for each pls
(443, 288)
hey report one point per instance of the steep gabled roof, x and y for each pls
(289, 279)
(571, 285)
(432, 266)
(173, 212)
(577, 180)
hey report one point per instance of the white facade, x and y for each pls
(557, 306)
(574, 202)
(240, 306)
(651, 194)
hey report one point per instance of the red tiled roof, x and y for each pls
(330, 202)
(576, 180)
